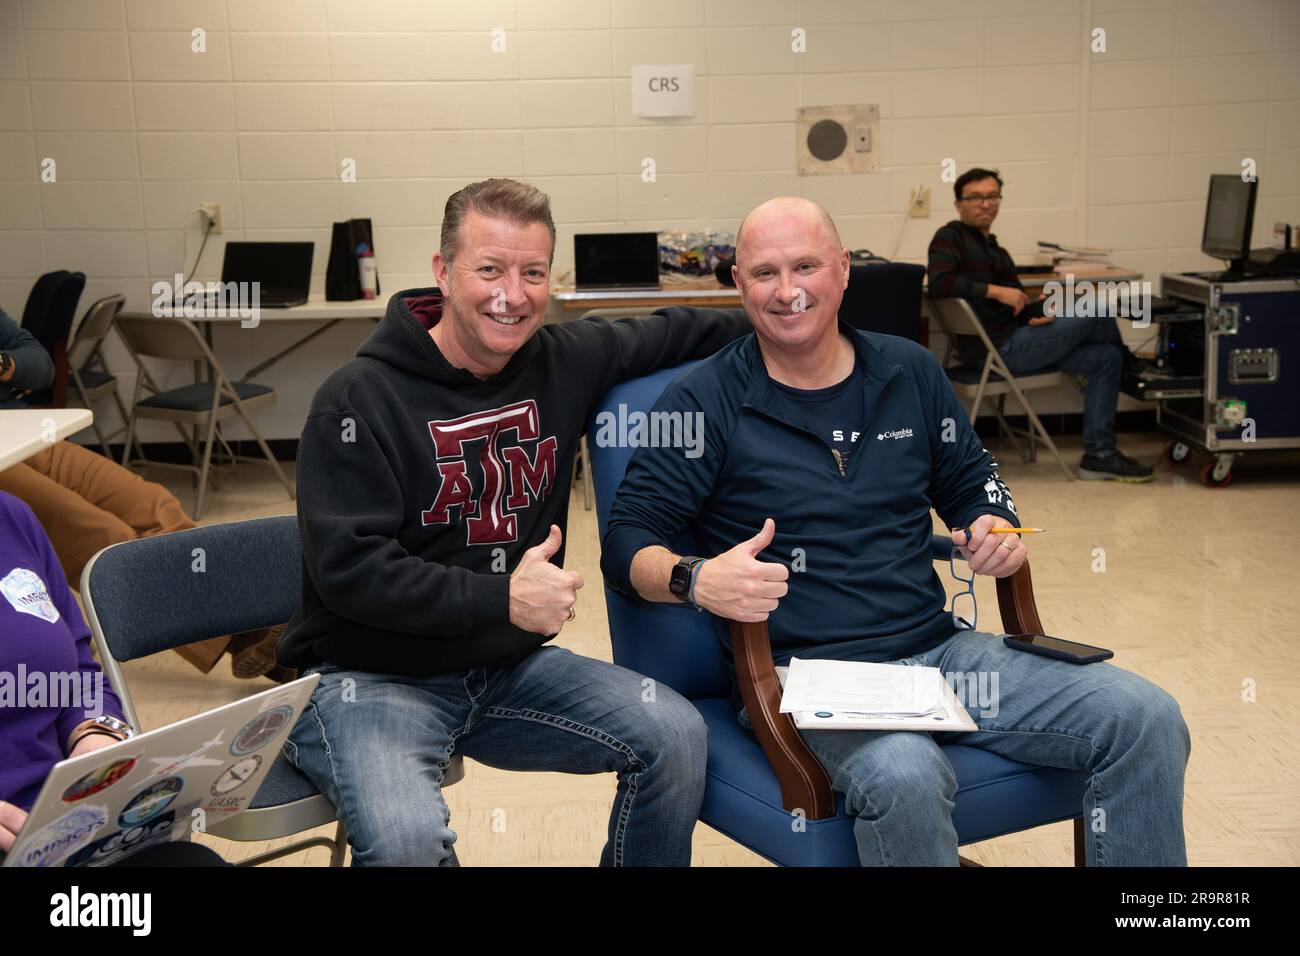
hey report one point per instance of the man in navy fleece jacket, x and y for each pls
(848, 439)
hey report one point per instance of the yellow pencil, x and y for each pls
(1008, 530)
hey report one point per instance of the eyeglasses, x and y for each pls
(992, 198)
(962, 602)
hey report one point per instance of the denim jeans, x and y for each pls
(1125, 732)
(377, 746)
(1081, 346)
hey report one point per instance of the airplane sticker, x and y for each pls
(169, 765)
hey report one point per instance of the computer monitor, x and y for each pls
(1229, 217)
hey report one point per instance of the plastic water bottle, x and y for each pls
(369, 274)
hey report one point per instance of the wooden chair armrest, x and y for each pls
(1016, 602)
(804, 783)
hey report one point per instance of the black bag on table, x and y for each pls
(342, 275)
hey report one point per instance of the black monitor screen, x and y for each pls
(616, 258)
(1229, 216)
(278, 266)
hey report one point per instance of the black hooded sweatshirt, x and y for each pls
(420, 486)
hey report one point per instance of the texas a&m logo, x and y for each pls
(485, 516)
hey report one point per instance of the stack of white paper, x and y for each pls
(830, 695)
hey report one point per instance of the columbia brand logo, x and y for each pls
(896, 433)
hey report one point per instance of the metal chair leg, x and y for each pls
(340, 845)
(586, 472)
(288, 851)
(130, 428)
(1035, 422)
(1026, 456)
(979, 391)
(99, 436)
(207, 459)
(266, 450)
(1038, 427)
(121, 410)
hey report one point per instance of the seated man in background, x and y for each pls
(966, 262)
(843, 437)
(86, 502)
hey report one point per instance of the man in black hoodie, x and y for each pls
(432, 483)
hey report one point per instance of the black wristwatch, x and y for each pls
(6, 363)
(680, 582)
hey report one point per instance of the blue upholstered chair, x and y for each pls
(755, 780)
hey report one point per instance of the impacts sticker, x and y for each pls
(51, 844)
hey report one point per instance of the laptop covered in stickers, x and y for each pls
(161, 786)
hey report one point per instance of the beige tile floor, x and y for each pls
(1198, 594)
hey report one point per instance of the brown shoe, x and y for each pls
(281, 674)
(253, 652)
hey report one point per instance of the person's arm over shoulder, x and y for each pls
(638, 346)
(350, 513)
(663, 489)
(945, 267)
(33, 367)
(964, 479)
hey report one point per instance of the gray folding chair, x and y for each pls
(144, 596)
(993, 379)
(200, 405)
(92, 384)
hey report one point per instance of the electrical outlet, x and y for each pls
(213, 211)
(920, 204)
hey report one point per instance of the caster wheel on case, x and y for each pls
(1214, 477)
(1177, 452)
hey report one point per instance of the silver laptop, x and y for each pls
(161, 786)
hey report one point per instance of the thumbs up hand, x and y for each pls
(542, 595)
(737, 586)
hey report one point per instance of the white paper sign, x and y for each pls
(663, 90)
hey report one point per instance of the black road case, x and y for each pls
(1236, 342)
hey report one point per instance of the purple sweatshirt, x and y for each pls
(49, 682)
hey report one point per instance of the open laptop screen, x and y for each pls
(281, 267)
(614, 260)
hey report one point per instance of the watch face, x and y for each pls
(677, 583)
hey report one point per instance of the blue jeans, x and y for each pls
(377, 746)
(1081, 346)
(1127, 733)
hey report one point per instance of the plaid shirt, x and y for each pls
(963, 264)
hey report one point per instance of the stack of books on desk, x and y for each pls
(1078, 260)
